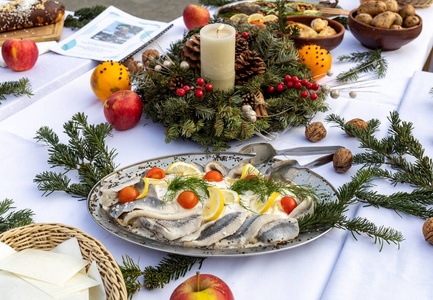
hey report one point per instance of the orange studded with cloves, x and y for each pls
(317, 58)
(109, 77)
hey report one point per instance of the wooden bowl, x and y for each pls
(387, 39)
(328, 43)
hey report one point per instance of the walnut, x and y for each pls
(134, 66)
(427, 230)
(147, 56)
(342, 160)
(315, 132)
(358, 123)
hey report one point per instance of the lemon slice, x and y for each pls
(230, 196)
(144, 190)
(214, 206)
(255, 18)
(183, 169)
(155, 181)
(240, 18)
(269, 18)
(249, 169)
(261, 207)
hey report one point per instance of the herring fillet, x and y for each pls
(306, 207)
(170, 229)
(279, 231)
(247, 231)
(223, 227)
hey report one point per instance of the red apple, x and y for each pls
(123, 109)
(202, 287)
(20, 55)
(195, 15)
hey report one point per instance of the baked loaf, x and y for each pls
(20, 14)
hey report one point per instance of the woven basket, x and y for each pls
(47, 236)
(416, 3)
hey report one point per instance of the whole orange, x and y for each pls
(109, 77)
(317, 58)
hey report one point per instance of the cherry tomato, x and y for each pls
(128, 194)
(213, 176)
(289, 204)
(252, 177)
(187, 199)
(156, 173)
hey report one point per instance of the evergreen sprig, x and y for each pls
(369, 61)
(398, 157)
(83, 16)
(12, 219)
(86, 153)
(15, 88)
(169, 268)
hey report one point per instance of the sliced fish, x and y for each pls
(220, 229)
(306, 207)
(279, 231)
(170, 229)
(248, 231)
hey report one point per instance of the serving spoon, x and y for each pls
(265, 152)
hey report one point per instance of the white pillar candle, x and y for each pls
(217, 55)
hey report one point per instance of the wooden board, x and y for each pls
(46, 33)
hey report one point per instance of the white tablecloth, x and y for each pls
(335, 266)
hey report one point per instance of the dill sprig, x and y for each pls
(12, 219)
(86, 153)
(369, 61)
(15, 88)
(187, 183)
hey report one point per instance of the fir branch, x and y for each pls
(131, 273)
(10, 220)
(15, 88)
(86, 153)
(369, 61)
(169, 268)
(83, 16)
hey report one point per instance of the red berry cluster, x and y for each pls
(296, 83)
(244, 34)
(198, 90)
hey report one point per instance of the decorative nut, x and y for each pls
(134, 66)
(427, 230)
(315, 132)
(149, 54)
(342, 160)
(358, 123)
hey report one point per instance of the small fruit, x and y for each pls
(213, 176)
(128, 194)
(288, 204)
(123, 109)
(156, 173)
(187, 199)
(20, 55)
(183, 169)
(195, 16)
(318, 59)
(108, 78)
(214, 206)
(202, 286)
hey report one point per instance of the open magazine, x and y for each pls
(113, 35)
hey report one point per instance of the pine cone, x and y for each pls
(248, 65)
(249, 99)
(191, 52)
(148, 57)
(176, 83)
(241, 46)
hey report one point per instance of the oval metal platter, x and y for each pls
(229, 159)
